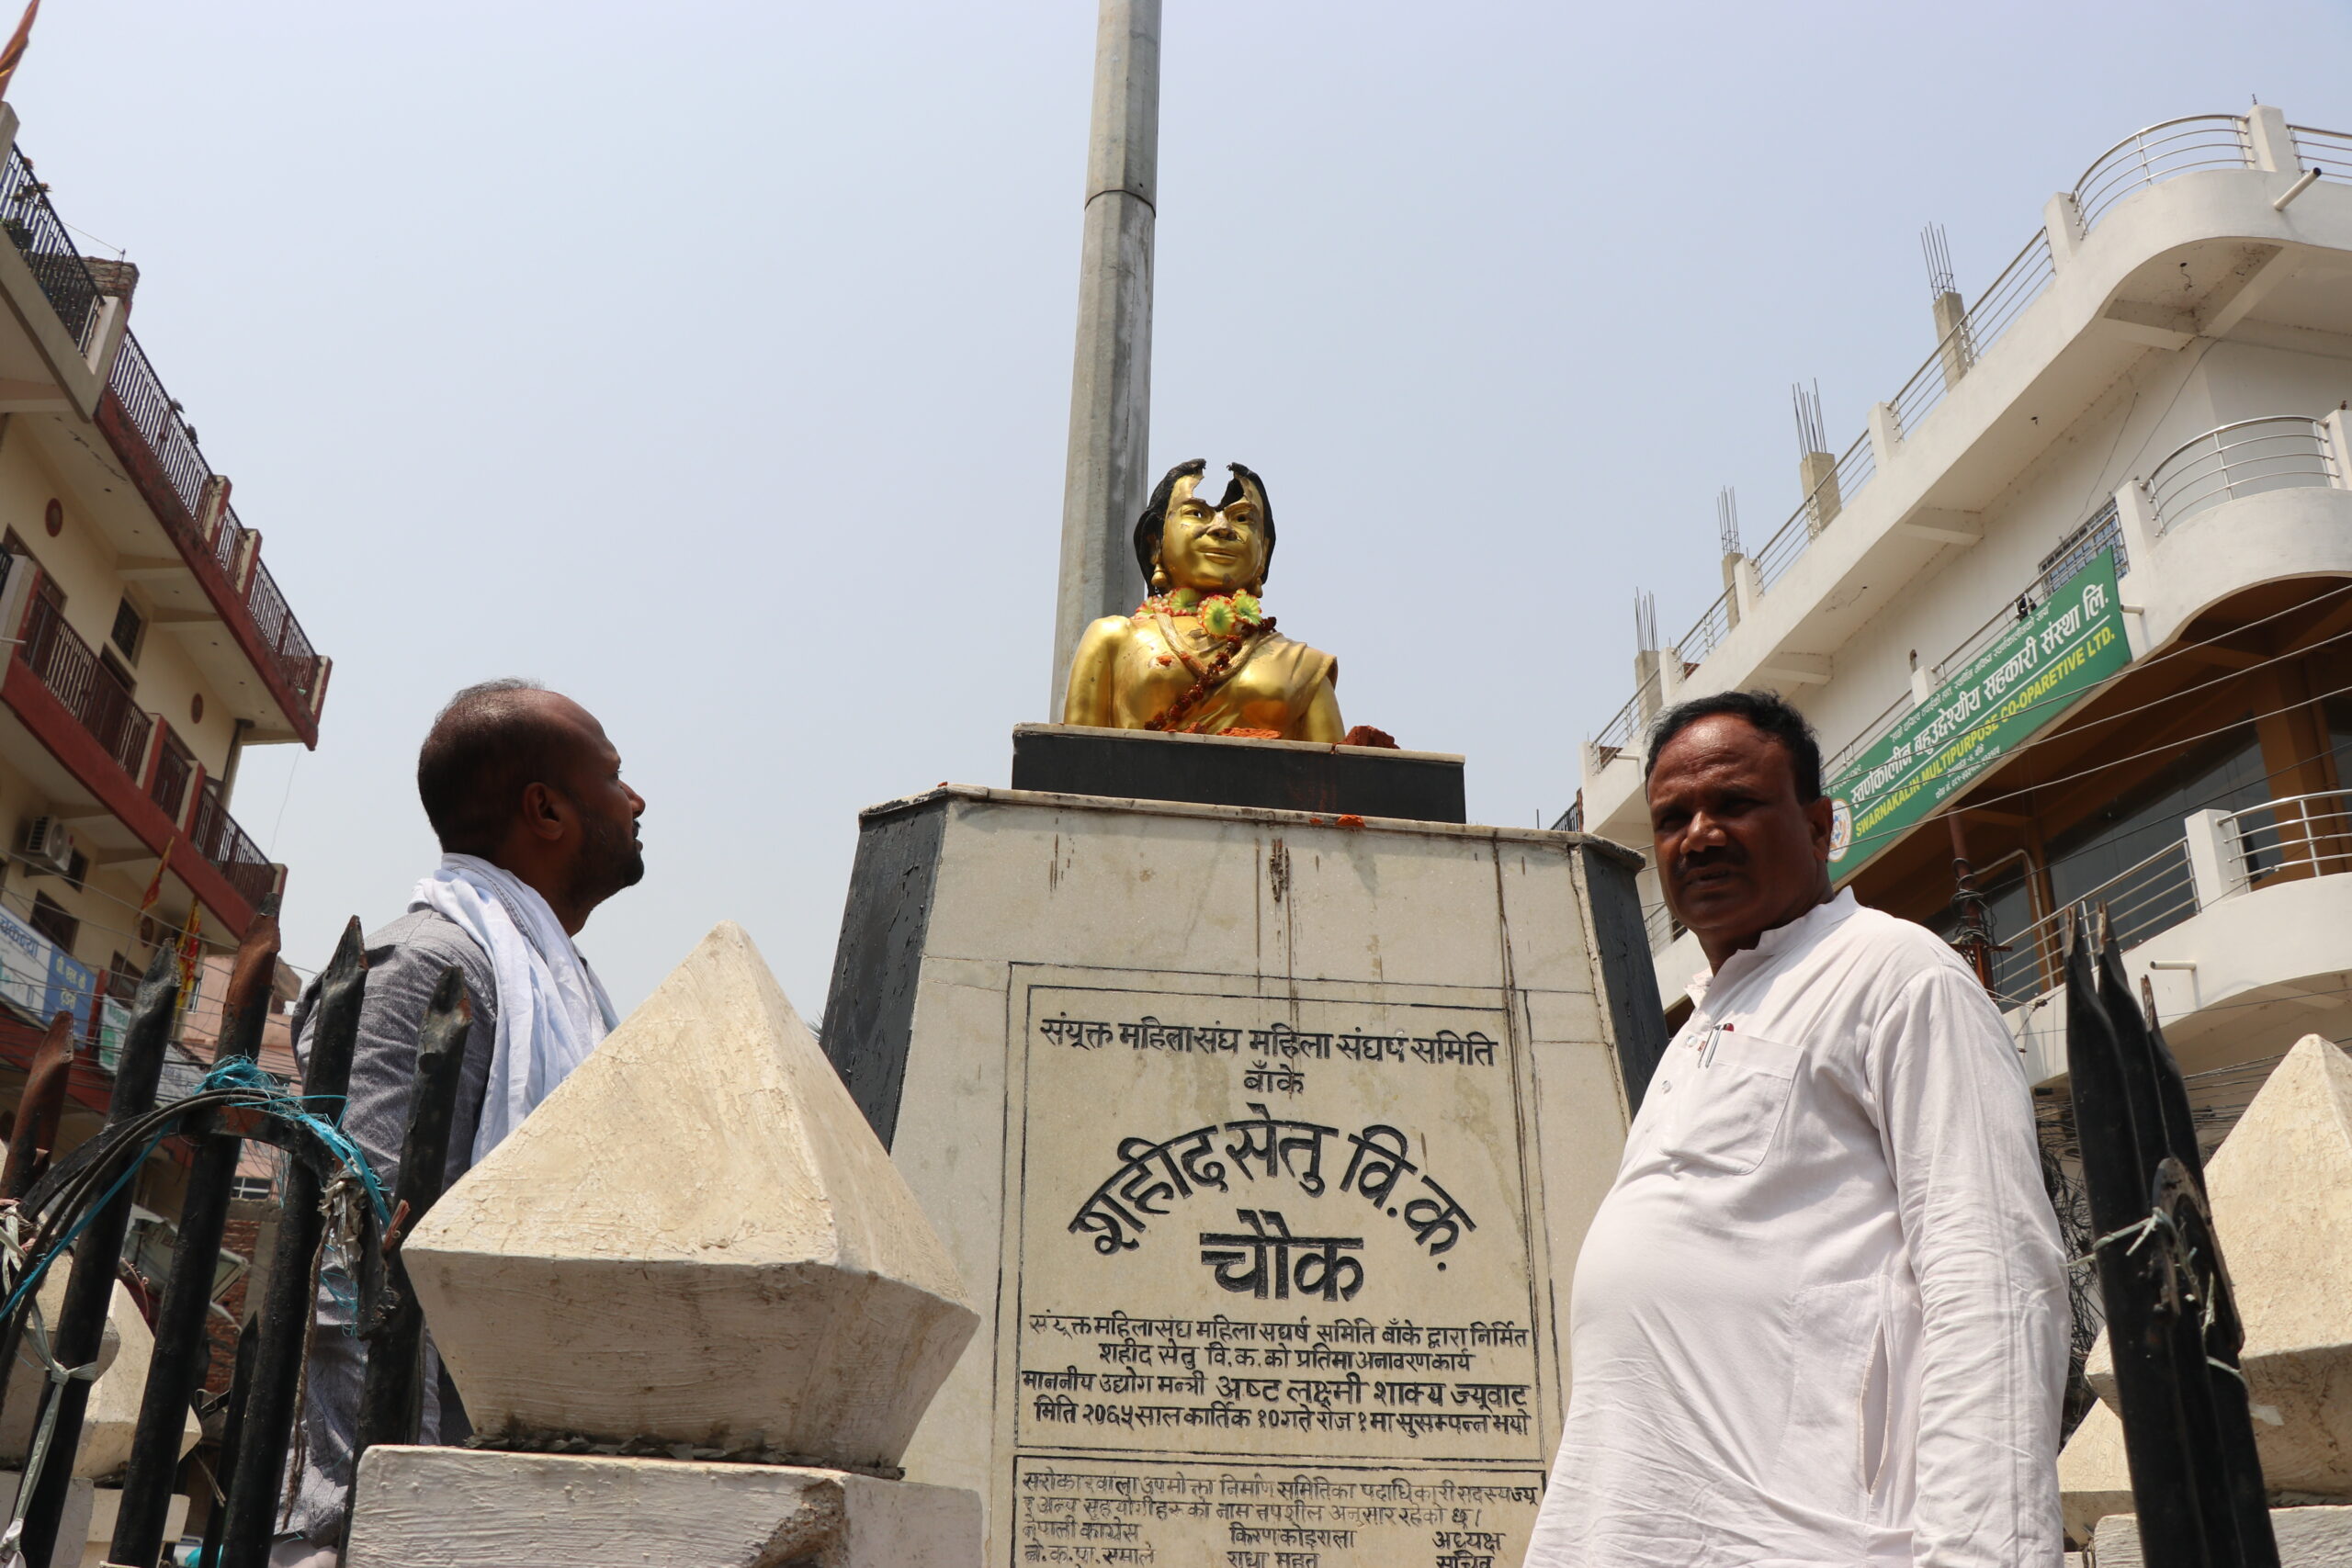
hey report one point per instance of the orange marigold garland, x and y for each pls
(1232, 619)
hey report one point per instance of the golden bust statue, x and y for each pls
(1201, 656)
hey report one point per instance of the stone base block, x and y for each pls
(1218, 769)
(432, 1507)
(106, 1505)
(2308, 1538)
(73, 1529)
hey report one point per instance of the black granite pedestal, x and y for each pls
(1217, 770)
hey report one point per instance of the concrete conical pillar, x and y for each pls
(697, 1240)
(2280, 1187)
(2094, 1480)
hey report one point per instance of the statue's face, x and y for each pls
(1212, 549)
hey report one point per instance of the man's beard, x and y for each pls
(610, 860)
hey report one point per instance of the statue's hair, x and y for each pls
(1154, 511)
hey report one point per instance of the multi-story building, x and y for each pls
(146, 647)
(2073, 614)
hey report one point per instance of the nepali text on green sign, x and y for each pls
(2028, 675)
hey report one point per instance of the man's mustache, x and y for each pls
(1690, 866)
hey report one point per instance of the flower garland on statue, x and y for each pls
(1221, 615)
(1234, 619)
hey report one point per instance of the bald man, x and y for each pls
(523, 791)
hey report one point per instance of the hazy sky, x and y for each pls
(711, 362)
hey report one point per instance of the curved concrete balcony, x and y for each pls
(2082, 302)
(2203, 532)
(2242, 931)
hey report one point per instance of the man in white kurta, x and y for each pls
(1821, 1316)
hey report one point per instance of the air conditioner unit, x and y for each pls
(49, 846)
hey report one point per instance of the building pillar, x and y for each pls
(2336, 427)
(212, 505)
(1648, 689)
(1109, 403)
(2064, 221)
(1817, 473)
(2136, 519)
(2215, 868)
(2272, 144)
(1886, 436)
(1747, 585)
(1954, 348)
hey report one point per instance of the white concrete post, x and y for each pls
(2136, 519)
(2216, 869)
(2274, 145)
(210, 504)
(1109, 395)
(1818, 476)
(1886, 436)
(2064, 221)
(1954, 348)
(1747, 584)
(1649, 683)
(241, 571)
(2336, 427)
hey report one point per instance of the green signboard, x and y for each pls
(2028, 676)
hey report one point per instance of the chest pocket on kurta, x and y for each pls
(1732, 1102)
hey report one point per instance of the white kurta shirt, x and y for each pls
(1821, 1317)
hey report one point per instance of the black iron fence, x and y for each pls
(2172, 1321)
(48, 250)
(80, 1207)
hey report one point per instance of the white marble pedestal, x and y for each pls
(1263, 1140)
(2308, 1538)
(430, 1507)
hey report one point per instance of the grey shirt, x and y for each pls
(405, 962)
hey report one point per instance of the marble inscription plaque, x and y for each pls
(1276, 1292)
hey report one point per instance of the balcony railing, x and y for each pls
(2299, 835)
(2146, 158)
(2329, 151)
(48, 250)
(219, 840)
(2020, 284)
(297, 662)
(2141, 900)
(173, 767)
(1715, 625)
(2159, 154)
(1816, 511)
(2280, 452)
(80, 680)
(2285, 839)
(149, 415)
(154, 418)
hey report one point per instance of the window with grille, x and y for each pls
(50, 919)
(129, 625)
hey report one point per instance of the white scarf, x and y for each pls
(551, 1008)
